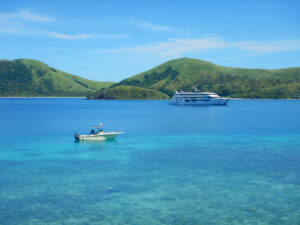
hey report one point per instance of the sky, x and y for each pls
(110, 40)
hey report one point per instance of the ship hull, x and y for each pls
(208, 102)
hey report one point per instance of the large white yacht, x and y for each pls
(197, 98)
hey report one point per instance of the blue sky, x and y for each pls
(112, 40)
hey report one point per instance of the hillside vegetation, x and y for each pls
(24, 77)
(187, 74)
(129, 92)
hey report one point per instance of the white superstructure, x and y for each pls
(197, 98)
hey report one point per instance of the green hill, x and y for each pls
(24, 77)
(187, 74)
(129, 92)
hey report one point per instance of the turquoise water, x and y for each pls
(238, 164)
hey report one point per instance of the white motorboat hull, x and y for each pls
(97, 137)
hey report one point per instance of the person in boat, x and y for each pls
(100, 128)
(92, 131)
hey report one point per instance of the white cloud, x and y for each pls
(180, 47)
(20, 23)
(159, 27)
(11, 30)
(171, 48)
(112, 36)
(23, 14)
(65, 36)
(42, 33)
(267, 47)
(58, 35)
(28, 15)
(152, 27)
(84, 36)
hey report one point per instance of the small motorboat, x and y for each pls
(97, 134)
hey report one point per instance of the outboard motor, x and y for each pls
(76, 136)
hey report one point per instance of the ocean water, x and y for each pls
(238, 164)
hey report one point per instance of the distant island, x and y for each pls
(187, 74)
(32, 78)
(24, 77)
(128, 92)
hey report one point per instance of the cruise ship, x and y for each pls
(197, 98)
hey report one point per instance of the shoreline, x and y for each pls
(84, 97)
(39, 97)
(264, 98)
